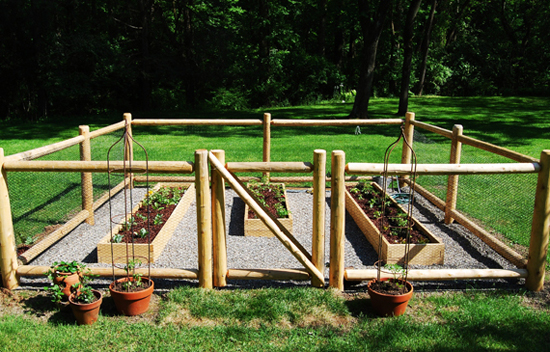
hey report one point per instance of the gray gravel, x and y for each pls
(462, 249)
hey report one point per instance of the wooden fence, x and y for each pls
(212, 269)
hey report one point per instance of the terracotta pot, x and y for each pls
(132, 303)
(86, 313)
(65, 281)
(389, 305)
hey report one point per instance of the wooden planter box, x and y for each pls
(141, 250)
(420, 254)
(257, 228)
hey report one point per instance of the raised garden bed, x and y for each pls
(365, 216)
(274, 199)
(161, 232)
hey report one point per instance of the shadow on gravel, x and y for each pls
(236, 223)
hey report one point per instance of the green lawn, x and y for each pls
(293, 319)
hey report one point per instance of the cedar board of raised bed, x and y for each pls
(257, 228)
(419, 254)
(141, 250)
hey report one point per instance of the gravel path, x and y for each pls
(462, 249)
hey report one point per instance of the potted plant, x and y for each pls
(272, 197)
(63, 276)
(390, 296)
(132, 293)
(85, 302)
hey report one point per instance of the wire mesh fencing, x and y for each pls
(500, 203)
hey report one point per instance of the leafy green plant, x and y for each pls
(158, 220)
(117, 238)
(142, 233)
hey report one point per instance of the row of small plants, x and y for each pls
(395, 223)
(271, 196)
(70, 282)
(153, 206)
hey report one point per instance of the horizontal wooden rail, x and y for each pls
(443, 169)
(197, 122)
(510, 154)
(107, 129)
(269, 167)
(267, 274)
(357, 122)
(180, 167)
(165, 273)
(439, 274)
(46, 150)
(432, 128)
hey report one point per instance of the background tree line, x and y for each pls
(71, 56)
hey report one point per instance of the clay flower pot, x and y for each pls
(132, 303)
(389, 305)
(86, 313)
(65, 281)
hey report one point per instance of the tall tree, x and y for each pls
(372, 23)
(425, 46)
(408, 30)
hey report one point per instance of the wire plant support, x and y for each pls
(128, 198)
(403, 198)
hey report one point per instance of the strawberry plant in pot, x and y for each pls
(132, 293)
(272, 197)
(85, 302)
(63, 276)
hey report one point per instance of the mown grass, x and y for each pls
(297, 319)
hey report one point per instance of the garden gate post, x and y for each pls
(267, 142)
(540, 228)
(8, 252)
(319, 194)
(406, 154)
(204, 218)
(218, 223)
(86, 177)
(128, 145)
(452, 184)
(337, 219)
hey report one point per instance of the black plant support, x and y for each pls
(127, 170)
(410, 202)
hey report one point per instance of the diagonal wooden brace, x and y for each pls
(278, 230)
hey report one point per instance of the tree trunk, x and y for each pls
(371, 28)
(425, 48)
(408, 30)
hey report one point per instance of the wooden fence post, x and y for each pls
(218, 223)
(406, 154)
(8, 252)
(267, 141)
(452, 183)
(204, 218)
(319, 204)
(337, 219)
(86, 177)
(128, 145)
(538, 246)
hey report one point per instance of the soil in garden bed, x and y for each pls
(157, 219)
(271, 199)
(392, 212)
